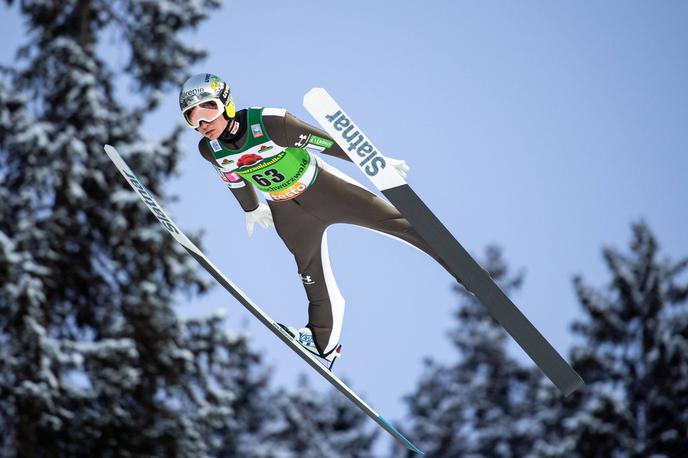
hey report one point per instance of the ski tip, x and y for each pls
(111, 151)
(401, 437)
(315, 92)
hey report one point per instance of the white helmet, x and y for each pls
(205, 87)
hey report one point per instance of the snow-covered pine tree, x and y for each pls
(226, 394)
(309, 424)
(93, 361)
(480, 405)
(633, 355)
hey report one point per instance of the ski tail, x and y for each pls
(479, 282)
(392, 430)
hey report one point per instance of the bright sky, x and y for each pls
(544, 127)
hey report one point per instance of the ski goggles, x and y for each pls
(207, 111)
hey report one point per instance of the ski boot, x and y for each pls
(304, 336)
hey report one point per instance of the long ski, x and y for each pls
(241, 296)
(368, 158)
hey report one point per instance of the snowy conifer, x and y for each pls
(309, 424)
(633, 356)
(93, 361)
(479, 406)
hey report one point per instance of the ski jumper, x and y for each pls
(276, 153)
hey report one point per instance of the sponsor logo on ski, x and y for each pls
(372, 159)
(148, 199)
(227, 161)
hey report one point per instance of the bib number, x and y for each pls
(275, 177)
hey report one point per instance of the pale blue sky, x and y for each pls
(544, 127)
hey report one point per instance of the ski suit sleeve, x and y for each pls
(285, 129)
(243, 191)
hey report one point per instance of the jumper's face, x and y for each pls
(213, 129)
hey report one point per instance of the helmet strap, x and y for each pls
(232, 126)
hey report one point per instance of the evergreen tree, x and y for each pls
(634, 359)
(93, 361)
(481, 405)
(310, 424)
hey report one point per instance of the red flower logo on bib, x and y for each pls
(248, 159)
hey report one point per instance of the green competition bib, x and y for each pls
(279, 173)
